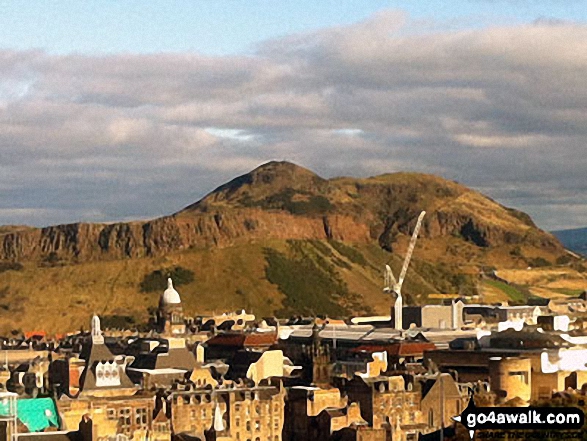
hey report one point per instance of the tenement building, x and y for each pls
(234, 411)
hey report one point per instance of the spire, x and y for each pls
(218, 419)
(96, 331)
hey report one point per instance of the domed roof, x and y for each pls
(170, 295)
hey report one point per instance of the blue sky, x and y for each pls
(226, 27)
(134, 109)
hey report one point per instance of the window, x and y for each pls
(141, 417)
(111, 414)
(124, 419)
(520, 376)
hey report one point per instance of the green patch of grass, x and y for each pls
(441, 276)
(311, 282)
(564, 259)
(284, 200)
(341, 263)
(157, 280)
(316, 205)
(350, 253)
(117, 321)
(513, 292)
(539, 262)
(568, 292)
(321, 247)
(308, 288)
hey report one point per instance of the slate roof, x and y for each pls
(176, 358)
(242, 340)
(398, 349)
(95, 353)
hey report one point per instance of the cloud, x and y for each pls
(502, 109)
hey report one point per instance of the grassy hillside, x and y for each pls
(548, 282)
(278, 240)
(270, 277)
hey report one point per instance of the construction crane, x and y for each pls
(395, 286)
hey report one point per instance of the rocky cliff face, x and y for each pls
(284, 201)
(86, 242)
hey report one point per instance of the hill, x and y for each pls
(278, 240)
(575, 239)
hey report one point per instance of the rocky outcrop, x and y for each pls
(485, 234)
(284, 201)
(82, 242)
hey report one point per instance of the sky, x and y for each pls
(112, 111)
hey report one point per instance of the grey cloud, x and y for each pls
(503, 109)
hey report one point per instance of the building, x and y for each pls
(441, 400)
(97, 386)
(170, 318)
(305, 403)
(242, 412)
(510, 377)
(387, 400)
(434, 316)
(556, 363)
(160, 365)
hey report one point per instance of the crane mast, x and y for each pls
(411, 247)
(390, 280)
